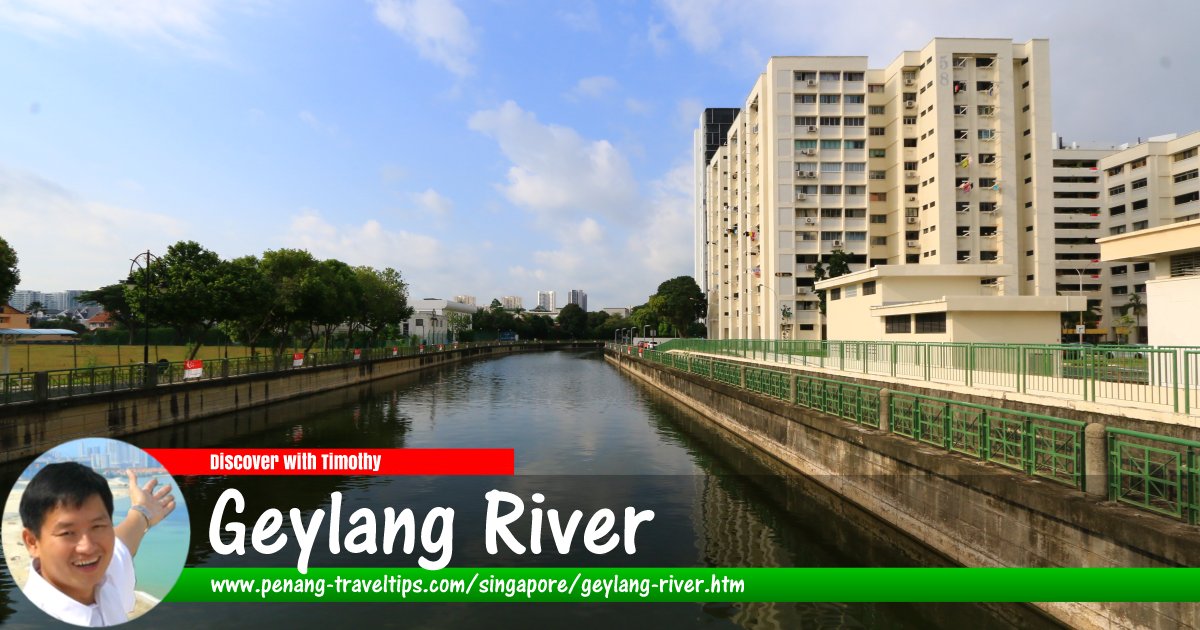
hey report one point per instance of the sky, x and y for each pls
(480, 147)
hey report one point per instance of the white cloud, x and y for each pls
(589, 232)
(592, 87)
(65, 242)
(583, 18)
(637, 106)
(316, 124)
(664, 245)
(697, 23)
(433, 202)
(366, 244)
(438, 29)
(183, 24)
(555, 172)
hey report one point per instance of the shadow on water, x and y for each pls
(586, 437)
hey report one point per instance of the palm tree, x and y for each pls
(1136, 307)
(32, 310)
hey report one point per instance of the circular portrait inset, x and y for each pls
(95, 532)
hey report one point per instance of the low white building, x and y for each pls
(1173, 296)
(939, 303)
(430, 320)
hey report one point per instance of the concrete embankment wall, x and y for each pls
(28, 429)
(974, 513)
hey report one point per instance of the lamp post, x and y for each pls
(645, 331)
(136, 261)
(1082, 326)
(784, 311)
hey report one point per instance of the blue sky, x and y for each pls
(485, 147)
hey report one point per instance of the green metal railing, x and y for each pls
(1038, 445)
(21, 387)
(1167, 377)
(1154, 472)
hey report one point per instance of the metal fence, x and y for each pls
(1153, 376)
(1154, 473)
(23, 387)
(1038, 445)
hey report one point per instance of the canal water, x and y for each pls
(585, 436)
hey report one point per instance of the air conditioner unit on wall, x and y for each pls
(914, 243)
(912, 197)
(812, 83)
(810, 221)
(811, 267)
(911, 219)
(910, 104)
(909, 81)
(837, 243)
(812, 129)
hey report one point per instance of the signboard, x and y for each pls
(395, 351)
(193, 369)
(357, 354)
(1080, 329)
(298, 359)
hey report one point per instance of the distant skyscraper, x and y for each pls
(511, 302)
(547, 300)
(465, 299)
(578, 297)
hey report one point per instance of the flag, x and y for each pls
(298, 359)
(193, 369)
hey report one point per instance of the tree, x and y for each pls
(181, 291)
(10, 276)
(573, 321)
(384, 300)
(33, 309)
(458, 324)
(680, 302)
(246, 299)
(331, 297)
(839, 265)
(1135, 307)
(285, 270)
(113, 300)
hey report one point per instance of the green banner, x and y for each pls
(687, 585)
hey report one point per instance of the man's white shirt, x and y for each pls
(114, 596)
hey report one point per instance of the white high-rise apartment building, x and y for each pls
(941, 159)
(465, 299)
(511, 302)
(547, 300)
(1078, 222)
(578, 297)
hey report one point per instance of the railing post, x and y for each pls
(792, 388)
(1095, 461)
(885, 410)
(41, 386)
(742, 376)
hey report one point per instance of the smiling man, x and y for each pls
(83, 563)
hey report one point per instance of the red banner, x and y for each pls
(298, 359)
(336, 461)
(357, 354)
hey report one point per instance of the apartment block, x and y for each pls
(578, 298)
(943, 158)
(1078, 222)
(511, 302)
(547, 300)
(465, 299)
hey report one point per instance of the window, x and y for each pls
(851, 291)
(856, 190)
(875, 131)
(931, 323)
(1137, 183)
(854, 99)
(855, 76)
(912, 259)
(831, 190)
(856, 167)
(1120, 290)
(831, 121)
(831, 76)
(1136, 164)
(1187, 198)
(877, 153)
(835, 294)
(1186, 175)
(806, 99)
(830, 99)
(909, 120)
(910, 143)
(868, 288)
(960, 110)
(879, 218)
(897, 324)
(1140, 225)
(806, 76)
(910, 166)
(1183, 155)
(879, 240)
(831, 167)
(856, 213)
(961, 134)
(877, 175)
(805, 121)
(805, 144)
(831, 213)
(876, 110)
(420, 322)
(875, 88)
(855, 144)
(878, 196)
(987, 134)
(1116, 170)
(856, 236)
(831, 144)
(855, 121)
(1115, 230)
(1117, 190)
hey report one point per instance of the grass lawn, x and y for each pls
(41, 357)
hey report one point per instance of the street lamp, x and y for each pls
(1082, 326)
(136, 261)
(784, 311)
(645, 331)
